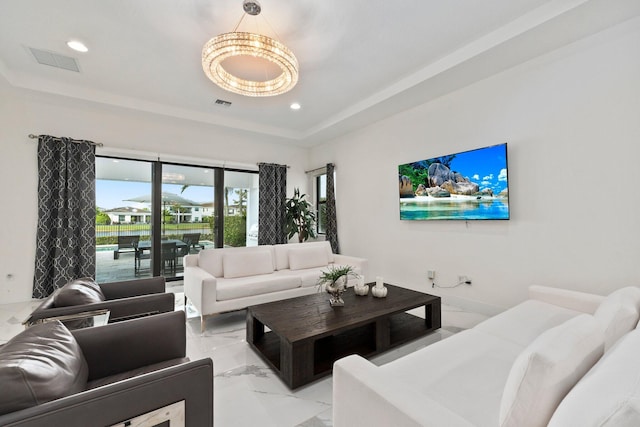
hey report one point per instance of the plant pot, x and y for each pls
(336, 289)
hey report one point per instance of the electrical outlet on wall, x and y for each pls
(431, 274)
(464, 279)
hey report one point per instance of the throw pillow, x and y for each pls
(609, 394)
(78, 292)
(618, 314)
(40, 364)
(309, 257)
(547, 369)
(246, 263)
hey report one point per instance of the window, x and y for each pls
(321, 203)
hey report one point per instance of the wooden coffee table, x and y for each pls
(307, 335)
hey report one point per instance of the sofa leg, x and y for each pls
(202, 323)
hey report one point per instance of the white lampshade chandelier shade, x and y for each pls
(232, 44)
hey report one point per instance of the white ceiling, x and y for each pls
(359, 60)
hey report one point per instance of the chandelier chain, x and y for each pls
(239, 22)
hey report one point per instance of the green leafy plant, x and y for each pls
(334, 273)
(299, 217)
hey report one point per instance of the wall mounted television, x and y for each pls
(470, 185)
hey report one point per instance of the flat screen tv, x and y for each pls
(465, 186)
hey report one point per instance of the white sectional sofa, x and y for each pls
(226, 279)
(519, 368)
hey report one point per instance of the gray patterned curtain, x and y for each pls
(331, 229)
(65, 245)
(271, 205)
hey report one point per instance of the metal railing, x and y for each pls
(108, 234)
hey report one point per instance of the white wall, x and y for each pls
(23, 112)
(572, 123)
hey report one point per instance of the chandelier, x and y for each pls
(233, 44)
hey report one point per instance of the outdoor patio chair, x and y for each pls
(126, 244)
(193, 241)
(169, 256)
(140, 255)
(124, 300)
(119, 374)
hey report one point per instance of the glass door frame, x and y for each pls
(156, 205)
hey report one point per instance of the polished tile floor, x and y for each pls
(246, 391)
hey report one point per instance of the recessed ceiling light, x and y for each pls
(77, 46)
(295, 106)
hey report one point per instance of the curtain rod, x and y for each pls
(265, 163)
(98, 144)
(317, 169)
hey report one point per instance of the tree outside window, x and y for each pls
(321, 203)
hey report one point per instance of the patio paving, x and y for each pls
(123, 268)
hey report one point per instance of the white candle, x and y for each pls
(379, 282)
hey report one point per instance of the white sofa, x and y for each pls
(519, 368)
(226, 279)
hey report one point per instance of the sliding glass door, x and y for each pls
(240, 209)
(149, 215)
(188, 215)
(123, 217)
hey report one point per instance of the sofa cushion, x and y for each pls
(308, 277)
(609, 394)
(211, 260)
(249, 263)
(308, 257)
(526, 321)
(618, 314)
(40, 364)
(465, 373)
(78, 292)
(282, 252)
(241, 287)
(547, 369)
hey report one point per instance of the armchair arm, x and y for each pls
(363, 395)
(133, 288)
(573, 300)
(128, 345)
(123, 400)
(119, 309)
(361, 263)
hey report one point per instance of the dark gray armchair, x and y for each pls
(134, 367)
(124, 300)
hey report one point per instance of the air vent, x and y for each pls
(55, 60)
(223, 103)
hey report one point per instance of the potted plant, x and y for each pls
(335, 283)
(299, 217)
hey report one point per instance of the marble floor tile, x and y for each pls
(246, 391)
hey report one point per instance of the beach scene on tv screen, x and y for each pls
(466, 186)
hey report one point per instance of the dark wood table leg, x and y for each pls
(255, 328)
(296, 362)
(383, 334)
(432, 315)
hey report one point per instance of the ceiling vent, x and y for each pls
(55, 60)
(223, 103)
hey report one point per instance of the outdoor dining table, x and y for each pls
(181, 249)
(145, 245)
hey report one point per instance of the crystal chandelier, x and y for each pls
(228, 45)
